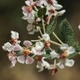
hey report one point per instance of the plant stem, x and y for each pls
(35, 8)
(49, 19)
(40, 31)
(35, 40)
(43, 25)
(57, 38)
(53, 42)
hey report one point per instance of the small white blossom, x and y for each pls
(28, 15)
(42, 64)
(39, 45)
(14, 35)
(54, 54)
(46, 37)
(37, 49)
(17, 47)
(8, 47)
(12, 58)
(60, 13)
(30, 27)
(27, 43)
(29, 2)
(58, 6)
(67, 49)
(41, 2)
(65, 62)
(69, 63)
(64, 47)
(22, 59)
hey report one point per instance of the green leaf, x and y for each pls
(76, 46)
(41, 12)
(66, 32)
(50, 28)
(46, 55)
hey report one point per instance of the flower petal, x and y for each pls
(14, 35)
(21, 59)
(46, 37)
(13, 62)
(70, 50)
(29, 27)
(17, 47)
(64, 47)
(27, 43)
(54, 54)
(69, 63)
(39, 45)
(8, 47)
(29, 60)
(60, 64)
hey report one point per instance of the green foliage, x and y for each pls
(41, 12)
(51, 26)
(66, 32)
(76, 46)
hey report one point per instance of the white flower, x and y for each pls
(39, 45)
(79, 27)
(37, 49)
(54, 54)
(8, 47)
(27, 43)
(22, 59)
(41, 2)
(60, 13)
(64, 47)
(69, 63)
(42, 64)
(46, 37)
(17, 47)
(14, 35)
(31, 29)
(67, 49)
(65, 62)
(28, 15)
(70, 50)
(29, 2)
(12, 58)
(57, 6)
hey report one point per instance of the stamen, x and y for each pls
(53, 42)
(43, 25)
(57, 38)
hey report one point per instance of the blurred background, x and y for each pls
(10, 19)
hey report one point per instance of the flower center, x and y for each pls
(47, 44)
(14, 41)
(51, 11)
(53, 71)
(38, 57)
(50, 2)
(29, 8)
(26, 51)
(64, 55)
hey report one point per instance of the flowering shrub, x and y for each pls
(42, 16)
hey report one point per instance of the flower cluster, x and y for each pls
(32, 10)
(39, 15)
